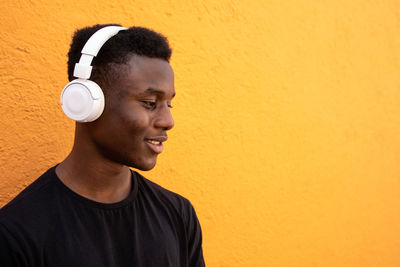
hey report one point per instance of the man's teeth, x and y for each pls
(153, 142)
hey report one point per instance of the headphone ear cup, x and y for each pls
(82, 100)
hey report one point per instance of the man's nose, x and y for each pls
(164, 118)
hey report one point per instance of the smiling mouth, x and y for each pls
(156, 144)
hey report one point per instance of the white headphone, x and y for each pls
(82, 100)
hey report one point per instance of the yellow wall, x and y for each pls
(287, 134)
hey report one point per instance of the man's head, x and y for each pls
(133, 70)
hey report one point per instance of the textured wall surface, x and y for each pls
(287, 126)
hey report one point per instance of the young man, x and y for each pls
(92, 209)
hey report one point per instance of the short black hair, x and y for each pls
(117, 50)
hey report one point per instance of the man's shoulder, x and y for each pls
(156, 192)
(29, 202)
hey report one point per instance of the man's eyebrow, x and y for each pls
(156, 92)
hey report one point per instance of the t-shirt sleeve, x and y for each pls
(10, 254)
(193, 231)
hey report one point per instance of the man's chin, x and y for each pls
(144, 166)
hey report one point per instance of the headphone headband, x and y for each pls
(83, 69)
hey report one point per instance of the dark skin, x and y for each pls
(129, 133)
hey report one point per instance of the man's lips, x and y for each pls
(155, 143)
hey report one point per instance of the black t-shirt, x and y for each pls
(48, 224)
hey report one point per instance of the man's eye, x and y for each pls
(149, 104)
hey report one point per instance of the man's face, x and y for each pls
(137, 114)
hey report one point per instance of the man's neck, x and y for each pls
(94, 177)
